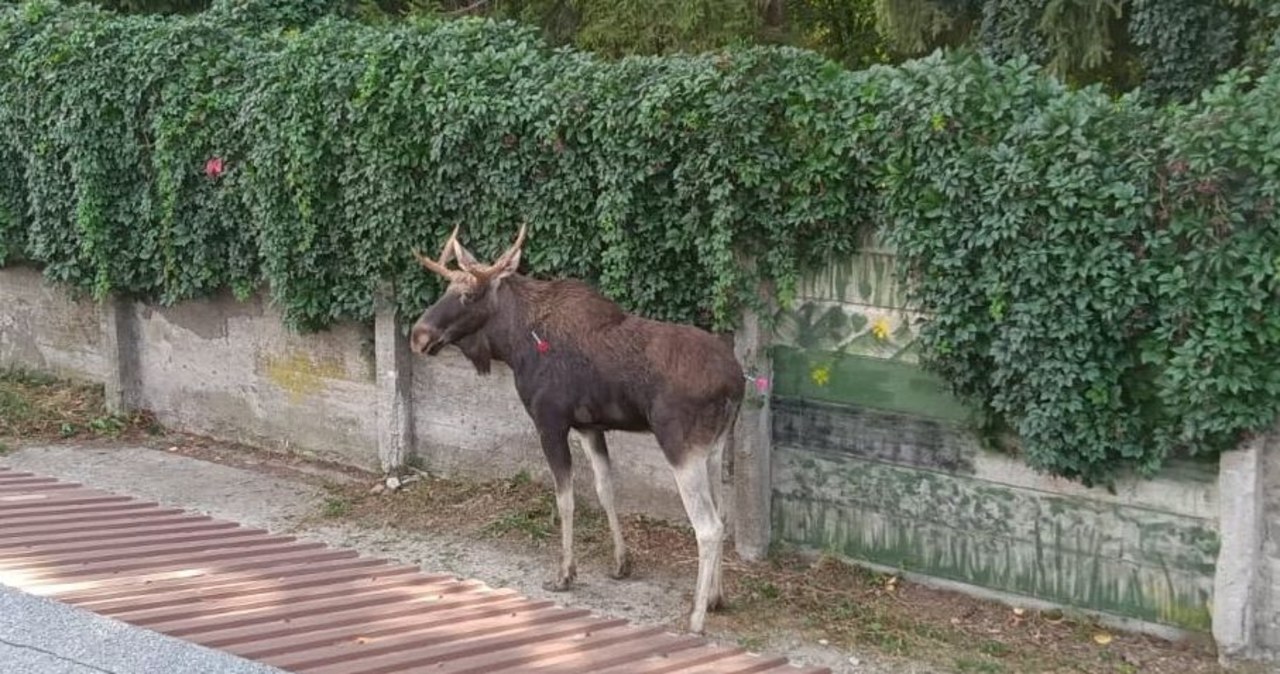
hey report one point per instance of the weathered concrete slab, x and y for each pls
(231, 370)
(1267, 623)
(43, 328)
(1125, 559)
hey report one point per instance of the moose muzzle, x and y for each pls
(424, 339)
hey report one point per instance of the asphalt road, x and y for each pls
(41, 636)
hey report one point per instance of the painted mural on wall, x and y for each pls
(856, 307)
(874, 459)
(851, 337)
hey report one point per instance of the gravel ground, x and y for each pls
(278, 502)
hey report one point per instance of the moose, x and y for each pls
(582, 364)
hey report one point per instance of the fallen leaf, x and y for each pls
(1019, 611)
(1102, 638)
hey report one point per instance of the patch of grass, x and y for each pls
(36, 406)
(978, 666)
(761, 589)
(535, 522)
(110, 426)
(15, 409)
(336, 506)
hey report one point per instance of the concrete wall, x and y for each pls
(231, 370)
(874, 460)
(1267, 627)
(42, 328)
(985, 520)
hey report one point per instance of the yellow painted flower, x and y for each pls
(880, 328)
(820, 375)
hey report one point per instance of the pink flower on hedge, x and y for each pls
(213, 167)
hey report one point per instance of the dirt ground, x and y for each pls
(817, 610)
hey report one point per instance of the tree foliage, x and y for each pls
(1173, 48)
(1103, 273)
(843, 30)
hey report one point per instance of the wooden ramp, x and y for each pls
(306, 607)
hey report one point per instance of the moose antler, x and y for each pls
(439, 266)
(507, 257)
(430, 265)
(453, 250)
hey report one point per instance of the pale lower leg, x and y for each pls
(603, 469)
(715, 474)
(564, 505)
(695, 491)
(555, 445)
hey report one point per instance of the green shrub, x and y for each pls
(1102, 272)
(345, 145)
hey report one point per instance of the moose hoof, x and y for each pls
(696, 626)
(561, 584)
(622, 570)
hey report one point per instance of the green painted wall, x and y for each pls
(1125, 560)
(873, 459)
(892, 385)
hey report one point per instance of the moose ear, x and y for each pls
(465, 259)
(509, 266)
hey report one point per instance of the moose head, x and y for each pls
(468, 302)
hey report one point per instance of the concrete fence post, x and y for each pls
(117, 355)
(753, 444)
(394, 383)
(1236, 583)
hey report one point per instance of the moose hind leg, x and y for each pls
(598, 451)
(695, 491)
(715, 460)
(556, 448)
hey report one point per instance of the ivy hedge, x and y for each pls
(1102, 272)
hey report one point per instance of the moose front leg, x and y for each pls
(602, 466)
(555, 446)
